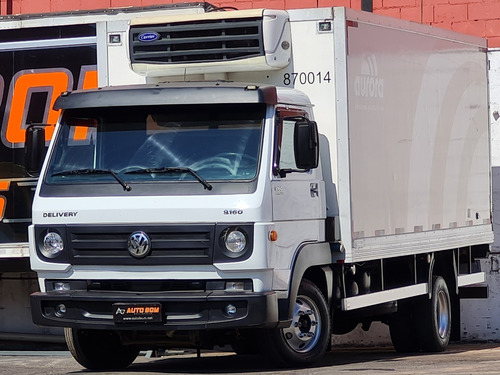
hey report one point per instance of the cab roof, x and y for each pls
(175, 93)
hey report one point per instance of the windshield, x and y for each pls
(197, 144)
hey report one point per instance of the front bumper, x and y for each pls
(179, 310)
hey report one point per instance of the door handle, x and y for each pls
(313, 188)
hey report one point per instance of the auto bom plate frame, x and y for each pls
(124, 313)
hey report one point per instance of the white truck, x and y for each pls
(277, 177)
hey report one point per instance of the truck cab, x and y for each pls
(193, 178)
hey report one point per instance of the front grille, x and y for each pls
(172, 244)
(198, 41)
(142, 286)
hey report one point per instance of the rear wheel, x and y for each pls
(435, 327)
(307, 338)
(423, 324)
(403, 327)
(99, 350)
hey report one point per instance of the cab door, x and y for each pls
(298, 192)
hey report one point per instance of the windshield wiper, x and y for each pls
(126, 186)
(204, 182)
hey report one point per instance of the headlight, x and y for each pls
(235, 241)
(52, 245)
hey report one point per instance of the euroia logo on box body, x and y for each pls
(368, 84)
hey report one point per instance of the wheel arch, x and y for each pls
(312, 261)
(444, 264)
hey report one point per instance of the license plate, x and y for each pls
(137, 313)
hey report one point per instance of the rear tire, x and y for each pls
(308, 337)
(423, 324)
(435, 327)
(403, 327)
(99, 350)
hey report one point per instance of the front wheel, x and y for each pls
(99, 350)
(307, 338)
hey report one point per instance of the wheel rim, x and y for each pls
(304, 332)
(443, 314)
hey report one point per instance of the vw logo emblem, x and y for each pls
(139, 245)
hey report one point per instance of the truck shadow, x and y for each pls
(345, 359)
(230, 363)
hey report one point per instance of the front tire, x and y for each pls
(247, 343)
(307, 338)
(99, 350)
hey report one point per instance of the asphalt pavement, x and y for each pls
(459, 359)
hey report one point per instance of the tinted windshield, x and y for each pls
(158, 144)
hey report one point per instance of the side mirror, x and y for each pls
(34, 149)
(306, 144)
